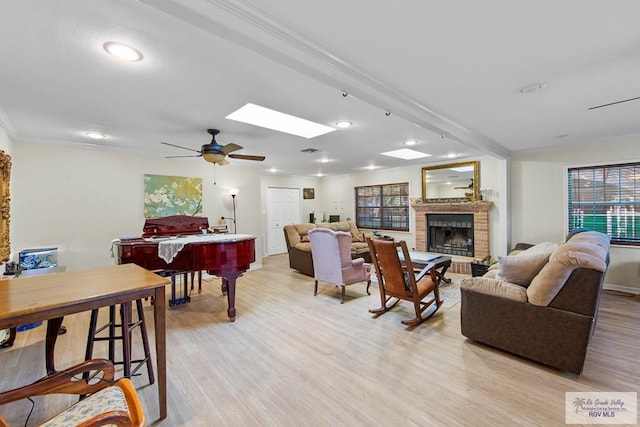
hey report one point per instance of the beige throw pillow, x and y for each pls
(544, 247)
(522, 268)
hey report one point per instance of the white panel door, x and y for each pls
(283, 207)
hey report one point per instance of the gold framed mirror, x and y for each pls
(451, 182)
(5, 207)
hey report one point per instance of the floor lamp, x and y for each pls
(233, 192)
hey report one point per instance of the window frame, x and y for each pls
(603, 189)
(386, 222)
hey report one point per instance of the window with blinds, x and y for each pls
(606, 199)
(383, 207)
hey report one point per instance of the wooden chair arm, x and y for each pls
(428, 269)
(67, 381)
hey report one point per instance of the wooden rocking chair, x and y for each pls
(397, 279)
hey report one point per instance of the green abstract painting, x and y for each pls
(166, 195)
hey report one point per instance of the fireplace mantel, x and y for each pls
(480, 211)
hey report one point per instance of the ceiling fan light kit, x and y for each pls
(216, 153)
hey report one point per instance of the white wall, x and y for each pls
(80, 199)
(538, 199)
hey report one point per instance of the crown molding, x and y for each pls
(6, 124)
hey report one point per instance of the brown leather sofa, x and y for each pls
(299, 247)
(549, 320)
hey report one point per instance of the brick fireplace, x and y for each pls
(480, 212)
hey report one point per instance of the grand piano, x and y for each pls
(179, 243)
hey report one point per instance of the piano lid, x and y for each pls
(174, 225)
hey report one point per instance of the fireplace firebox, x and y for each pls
(450, 234)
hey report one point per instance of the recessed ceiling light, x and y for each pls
(123, 51)
(452, 155)
(406, 154)
(371, 167)
(343, 124)
(324, 160)
(533, 88)
(275, 120)
(411, 142)
(95, 135)
(319, 174)
(273, 170)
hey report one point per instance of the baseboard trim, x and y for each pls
(619, 288)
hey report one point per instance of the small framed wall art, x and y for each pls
(308, 193)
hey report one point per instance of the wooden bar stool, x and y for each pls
(125, 328)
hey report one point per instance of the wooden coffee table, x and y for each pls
(421, 259)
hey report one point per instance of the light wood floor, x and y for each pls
(293, 359)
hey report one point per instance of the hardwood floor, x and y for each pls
(293, 359)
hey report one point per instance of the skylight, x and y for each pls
(275, 120)
(406, 154)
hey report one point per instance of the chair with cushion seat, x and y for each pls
(397, 279)
(331, 252)
(108, 402)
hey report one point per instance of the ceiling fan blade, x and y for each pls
(180, 146)
(229, 148)
(175, 157)
(223, 162)
(614, 103)
(247, 157)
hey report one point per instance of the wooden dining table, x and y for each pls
(50, 297)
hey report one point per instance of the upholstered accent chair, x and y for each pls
(397, 279)
(331, 252)
(108, 403)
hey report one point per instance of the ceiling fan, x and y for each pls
(465, 188)
(216, 153)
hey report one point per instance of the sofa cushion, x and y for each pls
(342, 226)
(329, 225)
(303, 229)
(358, 238)
(499, 288)
(359, 247)
(544, 247)
(522, 268)
(304, 246)
(590, 251)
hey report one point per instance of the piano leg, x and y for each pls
(229, 283)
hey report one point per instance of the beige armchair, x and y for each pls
(331, 252)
